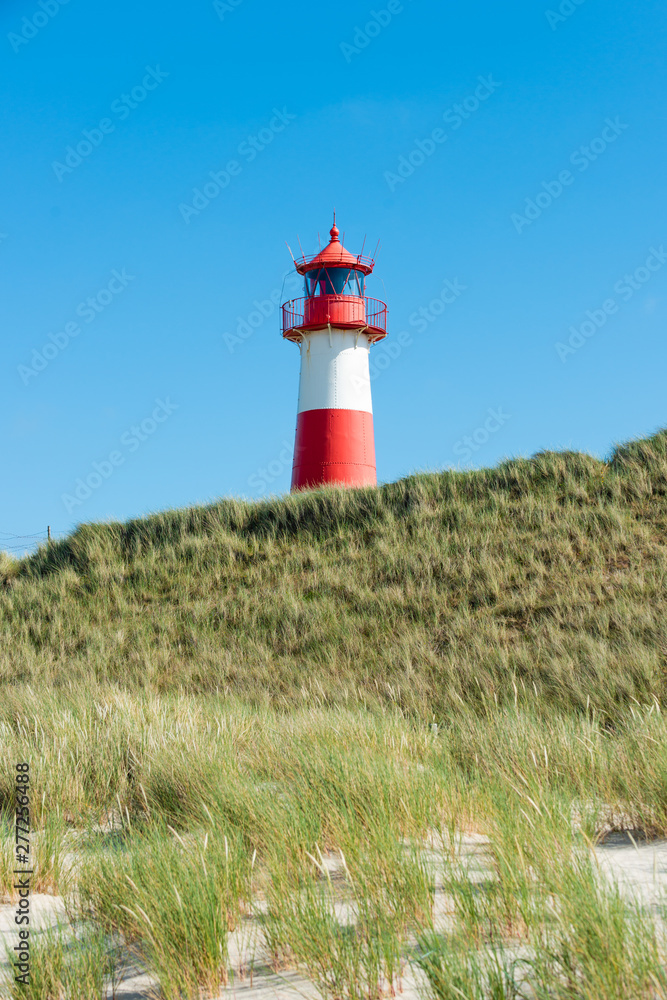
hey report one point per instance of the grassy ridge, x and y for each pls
(543, 577)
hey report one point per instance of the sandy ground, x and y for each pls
(639, 868)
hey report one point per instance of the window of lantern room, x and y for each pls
(355, 284)
(334, 281)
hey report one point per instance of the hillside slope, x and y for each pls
(544, 577)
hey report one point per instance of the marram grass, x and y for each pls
(331, 825)
(289, 714)
(543, 575)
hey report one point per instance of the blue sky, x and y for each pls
(531, 142)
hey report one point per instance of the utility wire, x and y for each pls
(21, 543)
(13, 534)
(7, 534)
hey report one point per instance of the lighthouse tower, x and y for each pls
(334, 326)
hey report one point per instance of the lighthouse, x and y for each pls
(334, 324)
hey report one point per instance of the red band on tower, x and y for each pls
(334, 447)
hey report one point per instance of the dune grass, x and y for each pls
(289, 716)
(176, 899)
(329, 828)
(543, 574)
(66, 962)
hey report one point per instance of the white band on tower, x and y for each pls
(334, 371)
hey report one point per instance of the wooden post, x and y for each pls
(48, 534)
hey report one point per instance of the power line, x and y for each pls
(18, 541)
(22, 543)
(7, 534)
(13, 534)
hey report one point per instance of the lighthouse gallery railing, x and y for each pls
(342, 311)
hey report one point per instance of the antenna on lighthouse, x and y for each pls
(290, 252)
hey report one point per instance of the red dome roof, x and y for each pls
(335, 255)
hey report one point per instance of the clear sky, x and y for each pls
(156, 157)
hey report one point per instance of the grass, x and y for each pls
(287, 717)
(543, 574)
(456, 971)
(317, 821)
(349, 932)
(65, 962)
(49, 846)
(173, 900)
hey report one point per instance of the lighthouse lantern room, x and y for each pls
(334, 324)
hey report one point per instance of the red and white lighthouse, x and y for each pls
(334, 325)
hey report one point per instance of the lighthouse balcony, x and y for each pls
(342, 312)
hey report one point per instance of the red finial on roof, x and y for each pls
(334, 254)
